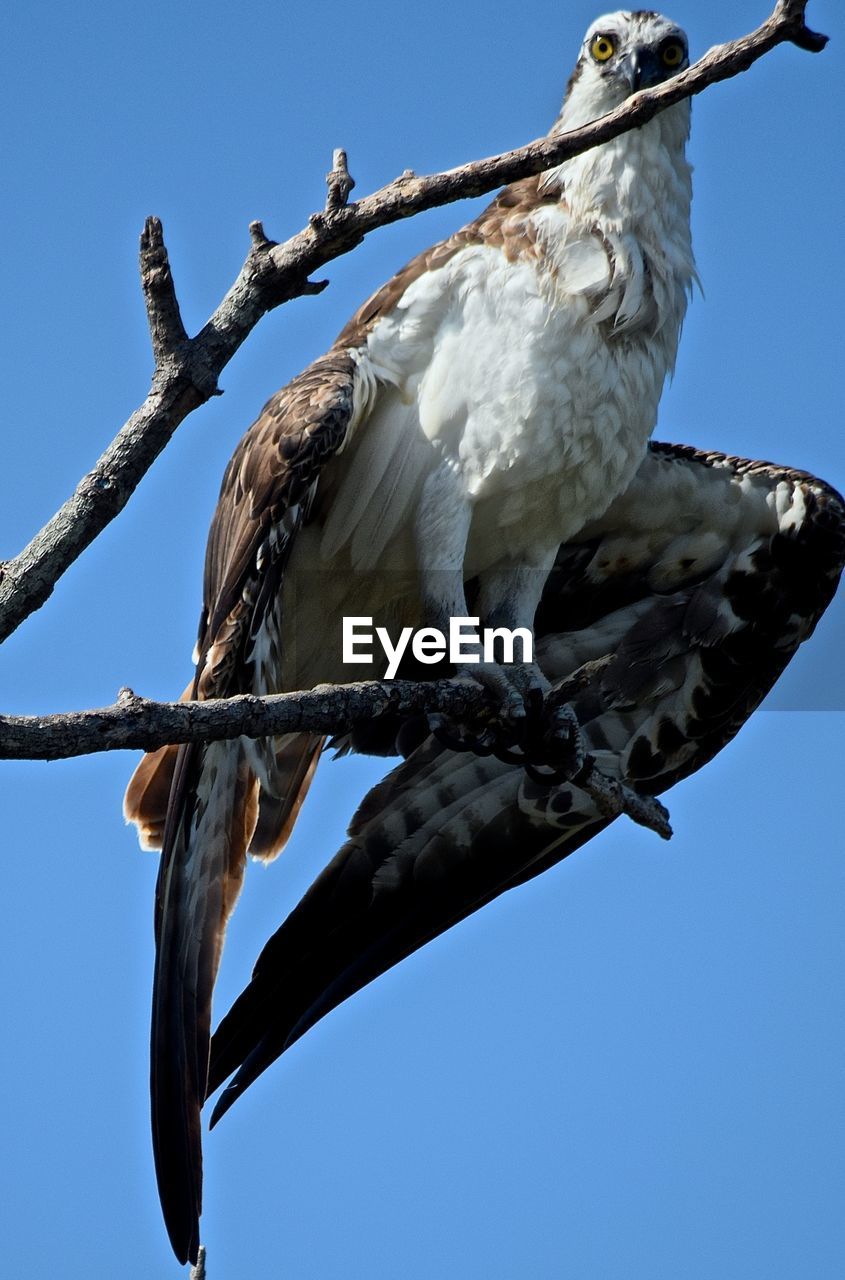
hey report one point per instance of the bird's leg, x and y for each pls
(549, 734)
(507, 602)
(443, 519)
(441, 530)
(503, 664)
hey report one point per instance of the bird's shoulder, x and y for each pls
(269, 480)
(506, 225)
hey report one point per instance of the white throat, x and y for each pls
(634, 193)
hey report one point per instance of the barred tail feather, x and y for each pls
(210, 823)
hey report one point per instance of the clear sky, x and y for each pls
(629, 1069)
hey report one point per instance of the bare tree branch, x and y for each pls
(133, 722)
(187, 369)
(328, 709)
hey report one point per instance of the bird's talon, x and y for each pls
(562, 740)
(548, 778)
(542, 739)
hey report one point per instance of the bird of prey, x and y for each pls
(481, 409)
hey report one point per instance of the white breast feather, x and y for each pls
(538, 379)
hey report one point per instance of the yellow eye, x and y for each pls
(602, 48)
(673, 53)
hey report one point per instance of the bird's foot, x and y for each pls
(526, 724)
(549, 747)
(531, 725)
(517, 690)
(520, 688)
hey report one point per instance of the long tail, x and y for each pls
(209, 826)
(204, 808)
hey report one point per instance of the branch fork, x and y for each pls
(791, 14)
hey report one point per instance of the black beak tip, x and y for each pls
(644, 69)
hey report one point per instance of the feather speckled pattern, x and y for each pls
(683, 603)
(487, 405)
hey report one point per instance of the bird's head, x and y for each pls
(622, 52)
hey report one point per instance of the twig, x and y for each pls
(613, 798)
(198, 1269)
(187, 370)
(339, 182)
(167, 331)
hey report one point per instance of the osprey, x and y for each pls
(484, 407)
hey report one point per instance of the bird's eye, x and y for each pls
(673, 53)
(602, 48)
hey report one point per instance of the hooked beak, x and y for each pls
(643, 68)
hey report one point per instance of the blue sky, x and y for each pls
(629, 1068)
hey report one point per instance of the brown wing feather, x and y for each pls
(147, 795)
(265, 486)
(696, 588)
(256, 518)
(296, 762)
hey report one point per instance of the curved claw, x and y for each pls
(562, 739)
(544, 740)
(520, 687)
(551, 750)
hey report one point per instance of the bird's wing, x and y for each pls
(679, 609)
(264, 499)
